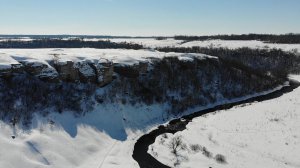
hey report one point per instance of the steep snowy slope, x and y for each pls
(101, 138)
(264, 134)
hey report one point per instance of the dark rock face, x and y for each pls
(17, 68)
(86, 72)
(132, 71)
(34, 68)
(11, 70)
(143, 67)
(127, 71)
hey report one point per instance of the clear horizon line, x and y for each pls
(146, 36)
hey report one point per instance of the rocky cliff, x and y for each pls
(180, 82)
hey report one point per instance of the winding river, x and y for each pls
(145, 160)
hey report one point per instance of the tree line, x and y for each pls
(268, 38)
(72, 43)
(261, 61)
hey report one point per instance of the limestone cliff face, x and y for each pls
(79, 86)
(104, 71)
(40, 70)
(98, 72)
(67, 71)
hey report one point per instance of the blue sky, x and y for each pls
(149, 17)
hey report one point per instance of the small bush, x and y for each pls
(206, 153)
(165, 136)
(220, 158)
(195, 147)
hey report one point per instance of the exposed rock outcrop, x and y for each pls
(99, 72)
(83, 71)
(67, 71)
(86, 72)
(41, 70)
(104, 71)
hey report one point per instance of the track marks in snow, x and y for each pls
(34, 149)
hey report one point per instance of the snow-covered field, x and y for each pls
(150, 42)
(261, 134)
(120, 56)
(232, 44)
(171, 42)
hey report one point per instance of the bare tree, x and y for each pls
(176, 145)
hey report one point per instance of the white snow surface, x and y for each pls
(231, 44)
(261, 134)
(15, 39)
(234, 44)
(149, 42)
(120, 56)
(6, 61)
(171, 42)
(103, 138)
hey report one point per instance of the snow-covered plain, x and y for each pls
(171, 42)
(262, 134)
(150, 42)
(120, 56)
(232, 44)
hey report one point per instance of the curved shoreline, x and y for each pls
(145, 160)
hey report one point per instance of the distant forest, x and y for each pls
(3, 36)
(268, 38)
(273, 62)
(72, 43)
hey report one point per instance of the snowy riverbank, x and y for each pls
(262, 134)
